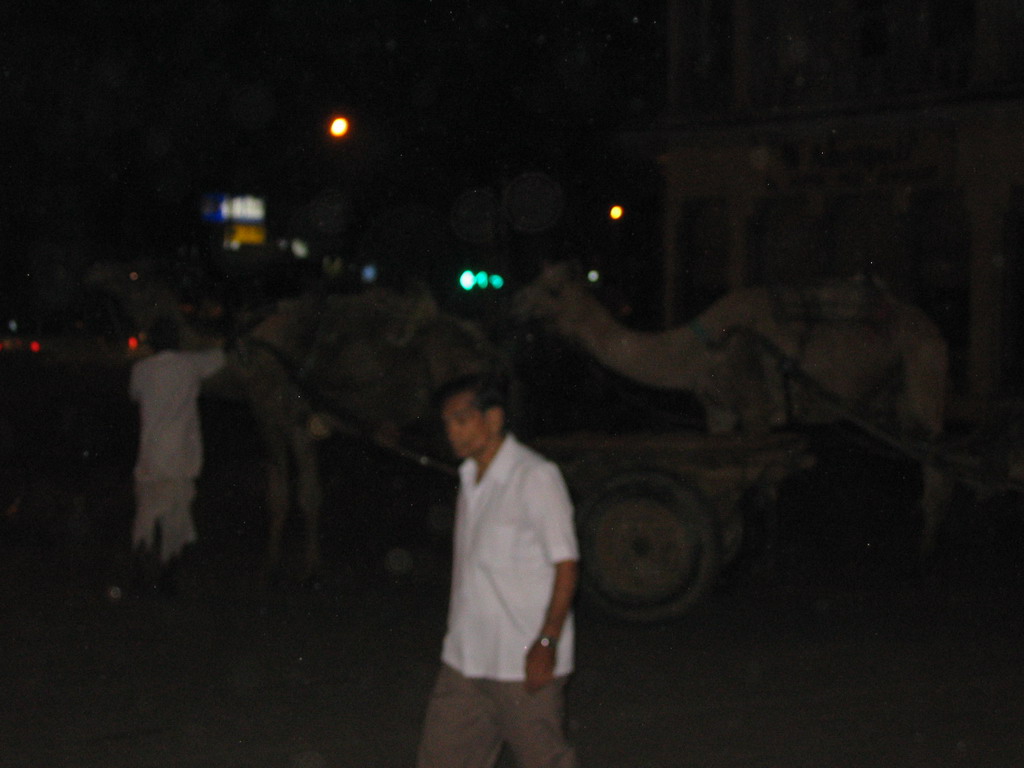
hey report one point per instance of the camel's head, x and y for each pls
(144, 291)
(130, 280)
(136, 288)
(559, 295)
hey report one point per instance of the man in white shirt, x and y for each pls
(166, 386)
(509, 644)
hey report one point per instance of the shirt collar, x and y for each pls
(501, 465)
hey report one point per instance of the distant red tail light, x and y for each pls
(133, 342)
(35, 346)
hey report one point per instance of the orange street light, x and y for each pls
(339, 127)
(615, 212)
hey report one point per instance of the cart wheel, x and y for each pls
(650, 547)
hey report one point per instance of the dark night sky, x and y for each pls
(117, 116)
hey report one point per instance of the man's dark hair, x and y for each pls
(164, 334)
(489, 390)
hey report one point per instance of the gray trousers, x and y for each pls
(468, 719)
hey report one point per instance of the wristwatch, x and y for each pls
(547, 641)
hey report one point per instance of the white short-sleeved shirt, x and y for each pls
(166, 387)
(510, 531)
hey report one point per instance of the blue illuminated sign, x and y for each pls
(219, 208)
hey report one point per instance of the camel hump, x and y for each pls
(406, 312)
(861, 299)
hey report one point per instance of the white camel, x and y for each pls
(367, 362)
(761, 357)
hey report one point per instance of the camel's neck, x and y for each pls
(670, 359)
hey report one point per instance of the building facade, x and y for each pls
(806, 140)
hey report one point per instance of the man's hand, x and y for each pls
(540, 659)
(540, 666)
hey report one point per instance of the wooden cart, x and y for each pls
(660, 515)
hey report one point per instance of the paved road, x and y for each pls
(834, 661)
(839, 658)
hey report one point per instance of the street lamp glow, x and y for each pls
(615, 212)
(339, 127)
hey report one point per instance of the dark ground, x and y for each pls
(838, 657)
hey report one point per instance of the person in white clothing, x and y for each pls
(170, 456)
(509, 645)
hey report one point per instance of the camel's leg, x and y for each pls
(309, 496)
(936, 491)
(925, 385)
(267, 398)
(277, 503)
(275, 443)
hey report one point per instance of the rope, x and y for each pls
(338, 419)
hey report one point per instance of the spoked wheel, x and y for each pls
(650, 547)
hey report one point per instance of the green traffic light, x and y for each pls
(470, 280)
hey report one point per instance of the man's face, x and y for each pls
(472, 433)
